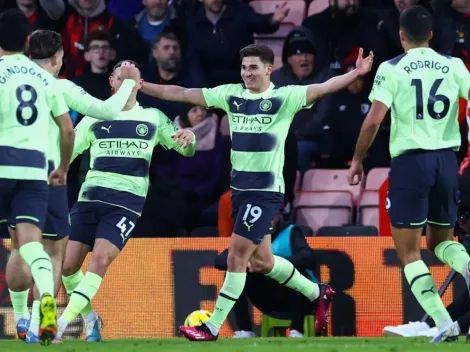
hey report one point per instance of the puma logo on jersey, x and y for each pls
(106, 128)
(248, 226)
(237, 104)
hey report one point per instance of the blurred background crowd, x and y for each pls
(196, 43)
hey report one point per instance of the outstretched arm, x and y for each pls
(175, 93)
(335, 84)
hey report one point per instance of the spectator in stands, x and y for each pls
(125, 10)
(339, 26)
(168, 67)
(156, 17)
(99, 53)
(42, 14)
(288, 241)
(220, 29)
(300, 68)
(88, 16)
(200, 176)
(344, 123)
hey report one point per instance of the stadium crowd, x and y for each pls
(196, 44)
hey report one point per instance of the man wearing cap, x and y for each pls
(299, 68)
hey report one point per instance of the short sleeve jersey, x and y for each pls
(422, 87)
(120, 155)
(259, 124)
(29, 100)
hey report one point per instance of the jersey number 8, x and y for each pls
(432, 100)
(28, 104)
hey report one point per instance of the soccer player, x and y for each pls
(45, 48)
(422, 88)
(113, 195)
(260, 115)
(29, 97)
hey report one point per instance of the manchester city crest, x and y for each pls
(142, 129)
(265, 105)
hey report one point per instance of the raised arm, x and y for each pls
(335, 84)
(175, 93)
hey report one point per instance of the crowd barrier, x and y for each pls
(155, 283)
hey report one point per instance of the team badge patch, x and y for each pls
(142, 130)
(265, 105)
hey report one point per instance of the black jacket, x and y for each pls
(218, 46)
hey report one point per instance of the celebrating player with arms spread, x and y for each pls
(422, 88)
(45, 49)
(113, 195)
(260, 115)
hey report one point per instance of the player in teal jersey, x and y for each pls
(260, 115)
(422, 88)
(113, 195)
(29, 98)
(46, 49)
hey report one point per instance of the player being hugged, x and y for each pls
(260, 115)
(113, 195)
(45, 49)
(422, 87)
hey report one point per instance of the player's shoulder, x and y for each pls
(152, 115)
(231, 88)
(68, 86)
(393, 63)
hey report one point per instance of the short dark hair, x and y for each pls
(119, 64)
(101, 35)
(264, 52)
(169, 36)
(43, 44)
(14, 30)
(416, 22)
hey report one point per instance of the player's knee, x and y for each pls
(262, 265)
(100, 262)
(236, 263)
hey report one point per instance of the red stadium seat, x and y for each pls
(317, 209)
(368, 209)
(329, 180)
(376, 177)
(294, 18)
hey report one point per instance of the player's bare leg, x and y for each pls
(440, 240)
(56, 250)
(103, 254)
(19, 280)
(407, 243)
(281, 270)
(239, 254)
(32, 252)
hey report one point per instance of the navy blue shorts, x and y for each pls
(57, 220)
(23, 201)
(92, 220)
(253, 213)
(423, 189)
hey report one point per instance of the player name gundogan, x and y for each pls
(436, 65)
(14, 70)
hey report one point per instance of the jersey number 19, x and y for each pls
(26, 103)
(433, 98)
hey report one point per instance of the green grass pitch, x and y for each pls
(245, 345)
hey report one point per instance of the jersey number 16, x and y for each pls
(433, 98)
